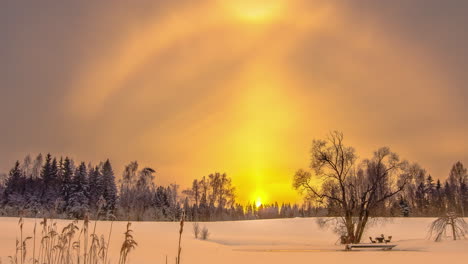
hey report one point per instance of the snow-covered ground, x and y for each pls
(298, 240)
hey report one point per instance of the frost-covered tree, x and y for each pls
(160, 198)
(66, 181)
(96, 188)
(3, 178)
(79, 197)
(127, 188)
(174, 206)
(37, 166)
(137, 191)
(50, 186)
(26, 167)
(110, 189)
(14, 187)
(358, 195)
(458, 180)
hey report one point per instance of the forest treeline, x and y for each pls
(60, 188)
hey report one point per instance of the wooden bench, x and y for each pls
(374, 245)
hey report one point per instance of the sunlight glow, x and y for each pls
(263, 121)
(256, 11)
(258, 202)
(259, 197)
(257, 119)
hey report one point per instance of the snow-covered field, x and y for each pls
(298, 240)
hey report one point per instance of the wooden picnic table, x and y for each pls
(380, 239)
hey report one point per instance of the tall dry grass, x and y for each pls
(128, 244)
(71, 245)
(75, 244)
(181, 230)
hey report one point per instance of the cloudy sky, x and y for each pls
(242, 87)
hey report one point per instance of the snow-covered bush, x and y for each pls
(196, 229)
(205, 233)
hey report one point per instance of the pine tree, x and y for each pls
(110, 189)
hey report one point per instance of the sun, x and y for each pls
(260, 197)
(255, 11)
(258, 202)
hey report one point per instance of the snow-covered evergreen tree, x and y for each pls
(79, 197)
(14, 187)
(110, 189)
(50, 183)
(66, 181)
(96, 188)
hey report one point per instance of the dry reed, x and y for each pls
(65, 247)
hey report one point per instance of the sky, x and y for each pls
(191, 88)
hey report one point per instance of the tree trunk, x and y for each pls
(462, 203)
(361, 227)
(350, 228)
(454, 233)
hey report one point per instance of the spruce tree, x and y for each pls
(404, 207)
(96, 187)
(50, 182)
(78, 201)
(438, 200)
(110, 189)
(66, 182)
(14, 187)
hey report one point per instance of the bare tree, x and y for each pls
(457, 225)
(356, 191)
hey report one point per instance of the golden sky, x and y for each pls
(242, 87)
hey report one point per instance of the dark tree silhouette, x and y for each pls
(14, 187)
(110, 189)
(96, 189)
(24, 191)
(356, 193)
(67, 175)
(78, 203)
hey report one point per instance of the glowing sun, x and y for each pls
(256, 11)
(258, 202)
